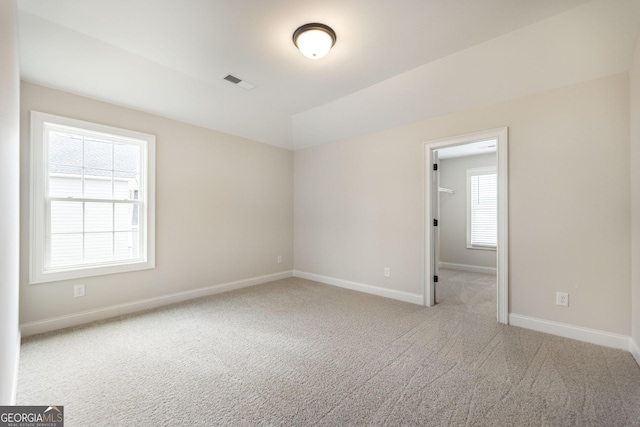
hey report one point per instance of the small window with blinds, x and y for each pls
(92, 206)
(482, 208)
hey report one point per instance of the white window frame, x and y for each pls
(39, 234)
(487, 170)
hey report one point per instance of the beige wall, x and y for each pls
(453, 213)
(635, 193)
(224, 208)
(9, 199)
(359, 203)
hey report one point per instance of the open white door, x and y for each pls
(432, 210)
(435, 208)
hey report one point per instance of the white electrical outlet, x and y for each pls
(387, 272)
(279, 259)
(78, 291)
(562, 298)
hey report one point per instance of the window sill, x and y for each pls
(79, 273)
(482, 248)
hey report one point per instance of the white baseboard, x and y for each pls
(592, 336)
(16, 369)
(40, 326)
(465, 267)
(635, 350)
(361, 287)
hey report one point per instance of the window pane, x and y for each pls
(124, 245)
(122, 189)
(484, 209)
(66, 249)
(126, 158)
(65, 181)
(98, 184)
(125, 216)
(65, 149)
(98, 247)
(98, 154)
(98, 217)
(135, 187)
(135, 238)
(66, 217)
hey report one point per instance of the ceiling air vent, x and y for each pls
(239, 82)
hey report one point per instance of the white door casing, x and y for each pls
(431, 213)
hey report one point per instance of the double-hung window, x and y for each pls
(92, 199)
(482, 208)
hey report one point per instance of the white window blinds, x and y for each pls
(482, 208)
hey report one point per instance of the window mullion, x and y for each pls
(88, 200)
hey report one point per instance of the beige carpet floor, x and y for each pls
(299, 353)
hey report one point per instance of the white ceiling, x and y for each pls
(168, 57)
(466, 150)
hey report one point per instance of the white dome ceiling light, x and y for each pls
(314, 40)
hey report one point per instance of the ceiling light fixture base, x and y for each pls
(314, 40)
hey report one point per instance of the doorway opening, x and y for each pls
(482, 190)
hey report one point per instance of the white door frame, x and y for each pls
(502, 256)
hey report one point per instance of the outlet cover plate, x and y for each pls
(562, 299)
(78, 291)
